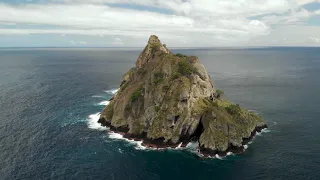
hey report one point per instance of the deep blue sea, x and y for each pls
(49, 99)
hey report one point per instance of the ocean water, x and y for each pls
(49, 100)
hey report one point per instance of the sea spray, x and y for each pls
(103, 103)
(192, 147)
(112, 91)
(93, 118)
(117, 136)
(96, 96)
(93, 122)
(266, 130)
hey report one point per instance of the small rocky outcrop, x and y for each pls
(169, 99)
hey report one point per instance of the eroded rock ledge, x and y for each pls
(170, 99)
(160, 144)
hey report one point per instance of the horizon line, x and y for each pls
(132, 47)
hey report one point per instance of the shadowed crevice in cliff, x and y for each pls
(197, 133)
(194, 137)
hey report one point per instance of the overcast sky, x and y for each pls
(178, 23)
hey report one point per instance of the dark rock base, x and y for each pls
(151, 143)
(233, 149)
(161, 144)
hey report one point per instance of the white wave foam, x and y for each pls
(253, 111)
(192, 147)
(263, 131)
(258, 133)
(137, 144)
(112, 91)
(93, 122)
(113, 135)
(103, 103)
(140, 147)
(219, 157)
(95, 96)
(179, 146)
(266, 130)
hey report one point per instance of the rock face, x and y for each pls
(170, 99)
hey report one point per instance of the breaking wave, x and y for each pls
(103, 103)
(117, 136)
(93, 122)
(112, 91)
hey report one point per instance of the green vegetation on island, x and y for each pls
(171, 96)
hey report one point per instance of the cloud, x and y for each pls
(72, 42)
(77, 42)
(314, 39)
(82, 42)
(117, 39)
(99, 19)
(189, 23)
(117, 42)
(215, 7)
(7, 24)
(293, 17)
(197, 8)
(304, 2)
(289, 35)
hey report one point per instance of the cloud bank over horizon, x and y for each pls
(179, 23)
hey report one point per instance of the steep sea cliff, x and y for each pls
(169, 99)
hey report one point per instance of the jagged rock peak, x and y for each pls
(153, 48)
(168, 99)
(153, 39)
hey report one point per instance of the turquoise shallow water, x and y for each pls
(48, 98)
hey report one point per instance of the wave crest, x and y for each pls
(112, 91)
(103, 103)
(93, 122)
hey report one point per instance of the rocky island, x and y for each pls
(169, 99)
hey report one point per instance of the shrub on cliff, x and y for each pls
(219, 93)
(136, 95)
(233, 109)
(180, 55)
(185, 68)
(155, 46)
(158, 77)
